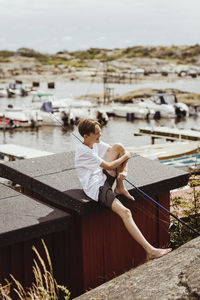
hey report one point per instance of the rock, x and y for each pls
(174, 276)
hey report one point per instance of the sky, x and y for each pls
(50, 26)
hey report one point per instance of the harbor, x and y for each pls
(68, 230)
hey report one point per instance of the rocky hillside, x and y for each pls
(92, 62)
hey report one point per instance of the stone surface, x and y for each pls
(174, 276)
(23, 218)
(52, 175)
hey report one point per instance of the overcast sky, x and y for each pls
(54, 25)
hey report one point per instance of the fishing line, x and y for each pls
(143, 193)
(161, 206)
(162, 223)
(51, 114)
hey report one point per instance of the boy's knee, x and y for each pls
(127, 213)
(119, 147)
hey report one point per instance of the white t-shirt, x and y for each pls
(87, 163)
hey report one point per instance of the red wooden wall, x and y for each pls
(108, 249)
(97, 247)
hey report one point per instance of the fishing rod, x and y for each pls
(141, 192)
(51, 114)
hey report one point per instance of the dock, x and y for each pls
(13, 152)
(170, 134)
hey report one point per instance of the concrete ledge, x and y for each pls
(174, 276)
(54, 178)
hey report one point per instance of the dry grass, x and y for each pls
(45, 286)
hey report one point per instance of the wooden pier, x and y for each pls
(170, 134)
(13, 152)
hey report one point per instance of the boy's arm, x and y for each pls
(111, 165)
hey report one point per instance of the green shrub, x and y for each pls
(190, 208)
(6, 53)
(4, 60)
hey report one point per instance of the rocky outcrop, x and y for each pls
(174, 276)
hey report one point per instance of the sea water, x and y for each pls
(56, 139)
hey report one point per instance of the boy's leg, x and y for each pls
(115, 152)
(132, 228)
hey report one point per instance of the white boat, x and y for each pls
(166, 150)
(39, 98)
(71, 109)
(190, 163)
(181, 109)
(194, 110)
(191, 160)
(75, 103)
(52, 119)
(161, 111)
(133, 111)
(16, 117)
(3, 92)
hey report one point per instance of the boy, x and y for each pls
(97, 177)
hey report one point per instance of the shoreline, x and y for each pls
(141, 88)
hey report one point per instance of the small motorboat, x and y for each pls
(160, 111)
(181, 109)
(56, 117)
(133, 111)
(12, 118)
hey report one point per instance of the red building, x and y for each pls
(94, 245)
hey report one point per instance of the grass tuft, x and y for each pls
(45, 286)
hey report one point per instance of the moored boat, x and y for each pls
(15, 118)
(166, 150)
(134, 111)
(3, 92)
(181, 109)
(163, 111)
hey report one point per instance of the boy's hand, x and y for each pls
(128, 154)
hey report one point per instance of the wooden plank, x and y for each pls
(164, 220)
(5, 263)
(170, 133)
(17, 262)
(28, 262)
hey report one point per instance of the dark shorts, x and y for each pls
(106, 194)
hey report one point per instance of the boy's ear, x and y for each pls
(85, 136)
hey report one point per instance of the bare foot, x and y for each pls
(124, 192)
(157, 252)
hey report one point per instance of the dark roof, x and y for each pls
(23, 218)
(54, 177)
